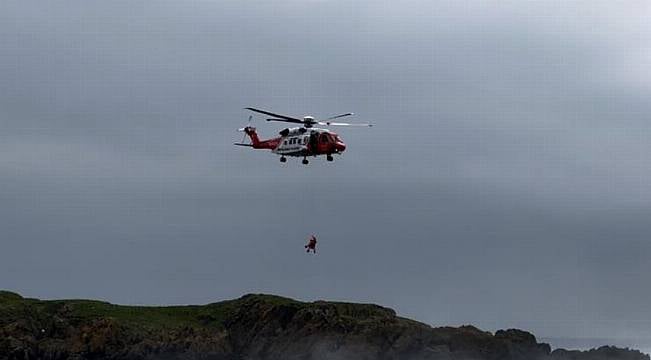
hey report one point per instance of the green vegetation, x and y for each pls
(169, 316)
(13, 307)
(7, 296)
(211, 316)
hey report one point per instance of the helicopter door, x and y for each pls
(313, 142)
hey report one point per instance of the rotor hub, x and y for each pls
(308, 121)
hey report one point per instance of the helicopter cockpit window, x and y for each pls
(324, 138)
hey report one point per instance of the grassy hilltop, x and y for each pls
(252, 327)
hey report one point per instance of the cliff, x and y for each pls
(254, 327)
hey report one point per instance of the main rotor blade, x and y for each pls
(286, 120)
(330, 123)
(291, 119)
(339, 116)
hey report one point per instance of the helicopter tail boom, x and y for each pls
(256, 143)
(250, 131)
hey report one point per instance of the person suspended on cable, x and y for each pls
(311, 244)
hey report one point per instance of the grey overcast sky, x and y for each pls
(505, 184)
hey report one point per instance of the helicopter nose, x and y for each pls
(340, 146)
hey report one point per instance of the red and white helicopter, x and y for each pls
(300, 141)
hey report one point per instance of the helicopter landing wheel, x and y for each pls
(305, 161)
(283, 159)
(330, 158)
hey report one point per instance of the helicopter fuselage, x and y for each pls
(300, 142)
(309, 142)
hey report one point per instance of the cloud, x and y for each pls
(510, 138)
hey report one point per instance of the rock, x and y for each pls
(255, 327)
(602, 353)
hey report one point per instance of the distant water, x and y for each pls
(644, 345)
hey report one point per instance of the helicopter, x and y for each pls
(302, 141)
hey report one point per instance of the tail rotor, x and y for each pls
(246, 130)
(248, 125)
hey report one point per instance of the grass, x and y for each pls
(14, 307)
